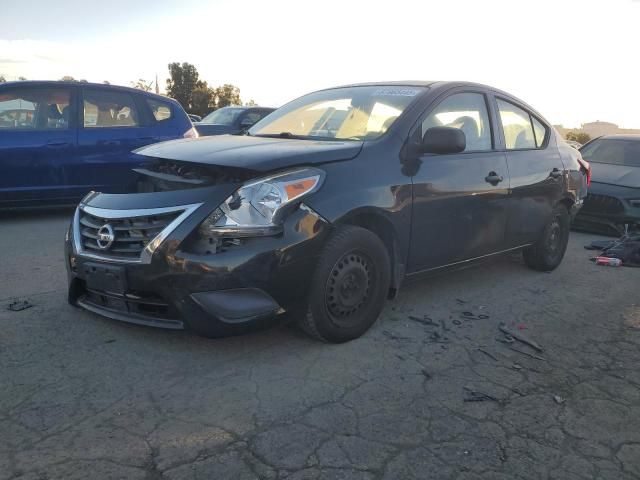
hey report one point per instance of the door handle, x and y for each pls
(493, 178)
(57, 144)
(555, 173)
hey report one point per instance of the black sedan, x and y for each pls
(231, 120)
(325, 208)
(613, 204)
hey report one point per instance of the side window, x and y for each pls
(251, 118)
(109, 109)
(161, 111)
(517, 127)
(540, 132)
(468, 112)
(34, 109)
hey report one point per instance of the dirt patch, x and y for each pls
(632, 317)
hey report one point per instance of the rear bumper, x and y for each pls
(217, 294)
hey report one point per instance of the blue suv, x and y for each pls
(59, 140)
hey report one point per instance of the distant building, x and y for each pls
(597, 129)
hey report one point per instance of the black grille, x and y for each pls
(602, 204)
(132, 234)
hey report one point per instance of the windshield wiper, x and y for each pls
(303, 137)
(282, 135)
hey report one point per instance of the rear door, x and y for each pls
(460, 200)
(113, 123)
(37, 137)
(536, 170)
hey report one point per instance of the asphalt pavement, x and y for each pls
(434, 390)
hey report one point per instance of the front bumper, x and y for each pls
(216, 293)
(608, 209)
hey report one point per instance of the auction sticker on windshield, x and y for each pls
(397, 92)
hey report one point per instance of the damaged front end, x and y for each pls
(215, 248)
(161, 175)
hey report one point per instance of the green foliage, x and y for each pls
(195, 95)
(580, 137)
(184, 79)
(2, 79)
(227, 95)
(203, 99)
(143, 84)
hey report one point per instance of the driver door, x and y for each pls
(460, 199)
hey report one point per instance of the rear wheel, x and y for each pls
(349, 286)
(548, 252)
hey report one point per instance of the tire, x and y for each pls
(547, 253)
(349, 286)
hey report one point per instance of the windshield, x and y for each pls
(615, 151)
(352, 113)
(223, 116)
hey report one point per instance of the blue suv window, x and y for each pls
(34, 109)
(161, 111)
(109, 109)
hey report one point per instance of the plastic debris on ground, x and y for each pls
(18, 305)
(622, 252)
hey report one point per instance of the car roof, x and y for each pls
(628, 136)
(399, 83)
(419, 83)
(440, 84)
(74, 83)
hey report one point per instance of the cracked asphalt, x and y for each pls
(429, 393)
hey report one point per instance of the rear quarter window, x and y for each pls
(161, 111)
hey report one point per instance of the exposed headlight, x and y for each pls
(258, 207)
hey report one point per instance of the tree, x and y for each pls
(182, 82)
(227, 95)
(21, 78)
(202, 99)
(580, 137)
(142, 84)
(2, 79)
(250, 103)
(68, 78)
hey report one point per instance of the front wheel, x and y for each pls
(349, 286)
(547, 253)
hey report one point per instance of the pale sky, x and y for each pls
(573, 60)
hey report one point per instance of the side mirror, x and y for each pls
(444, 140)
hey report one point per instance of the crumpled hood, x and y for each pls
(622, 175)
(253, 153)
